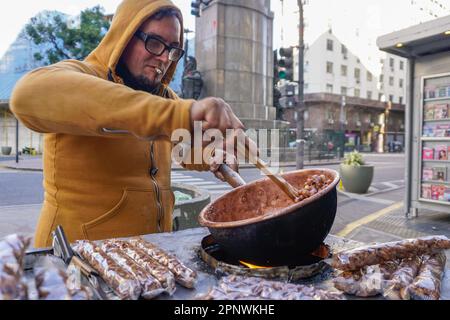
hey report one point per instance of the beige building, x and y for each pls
(369, 125)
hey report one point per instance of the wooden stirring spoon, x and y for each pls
(253, 152)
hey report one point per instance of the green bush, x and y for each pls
(354, 159)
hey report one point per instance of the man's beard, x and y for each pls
(140, 82)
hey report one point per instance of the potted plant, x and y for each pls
(356, 175)
(6, 149)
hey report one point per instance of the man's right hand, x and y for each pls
(214, 113)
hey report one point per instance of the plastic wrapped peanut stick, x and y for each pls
(427, 284)
(159, 272)
(119, 280)
(183, 275)
(377, 254)
(151, 287)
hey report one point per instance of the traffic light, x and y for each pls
(196, 8)
(286, 64)
(276, 68)
(288, 102)
(288, 99)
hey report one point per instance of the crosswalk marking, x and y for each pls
(203, 183)
(375, 189)
(398, 181)
(186, 180)
(217, 191)
(213, 188)
(221, 186)
(390, 185)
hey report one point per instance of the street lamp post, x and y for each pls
(342, 112)
(342, 124)
(301, 98)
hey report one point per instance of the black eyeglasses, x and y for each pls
(157, 47)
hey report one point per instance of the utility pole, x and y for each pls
(301, 98)
(342, 119)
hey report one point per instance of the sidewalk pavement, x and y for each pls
(31, 163)
(391, 224)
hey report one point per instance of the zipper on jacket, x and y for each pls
(153, 172)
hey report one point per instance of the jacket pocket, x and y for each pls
(135, 214)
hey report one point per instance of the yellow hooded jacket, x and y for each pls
(100, 183)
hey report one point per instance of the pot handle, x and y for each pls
(231, 177)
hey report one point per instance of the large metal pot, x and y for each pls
(260, 224)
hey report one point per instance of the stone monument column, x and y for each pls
(234, 51)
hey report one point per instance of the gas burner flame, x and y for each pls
(252, 266)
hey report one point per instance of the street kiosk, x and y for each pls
(427, 123)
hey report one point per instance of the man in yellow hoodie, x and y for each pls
(108, 121)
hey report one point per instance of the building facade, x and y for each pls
(392, 81)
(330, 67)
(346, 102)
(367, 125)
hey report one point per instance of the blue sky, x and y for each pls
(355, 22)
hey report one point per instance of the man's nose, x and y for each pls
(164, 57)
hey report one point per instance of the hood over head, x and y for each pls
(130, 15)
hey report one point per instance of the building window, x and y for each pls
(329, 45)
(329, 114)
(369, 95)
(392, 63)
(400, 100)
(380, 96)
(402, 65)
(369, 76)
(357, 93)
(344, 52)
(329, 88)
(400, 83)
(381, 77)
(344, 70)
(329, 67)
(344, 91)
(357, 74)
(391, 98)
(391, 81)
(358, 61)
